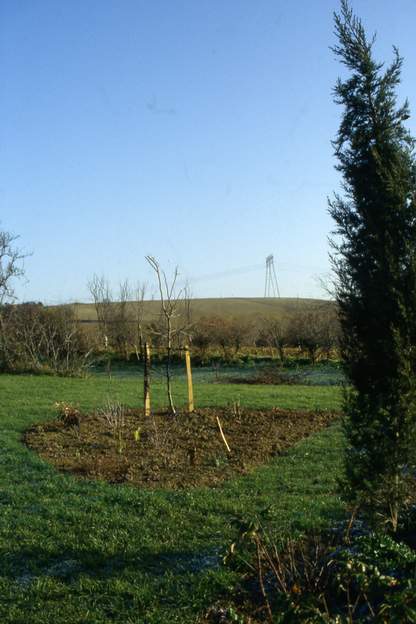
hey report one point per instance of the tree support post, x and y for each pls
(146, 379)
(189, 378)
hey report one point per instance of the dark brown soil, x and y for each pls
(173, 452)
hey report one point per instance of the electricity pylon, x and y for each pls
(271, 287)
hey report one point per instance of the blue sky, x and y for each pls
(196, 131)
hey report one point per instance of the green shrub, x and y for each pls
(325, 578)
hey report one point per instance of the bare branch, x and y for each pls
(11, 265)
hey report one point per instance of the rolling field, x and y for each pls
(238, 307)
(75, 551)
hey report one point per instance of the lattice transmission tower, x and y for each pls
(271, 287)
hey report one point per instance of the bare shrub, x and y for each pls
(115, 416)
(44, 339)
(236, 410)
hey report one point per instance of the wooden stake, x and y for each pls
(189, 377)
(146, 379)
(223, 436)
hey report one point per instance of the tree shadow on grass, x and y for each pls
(28, 565)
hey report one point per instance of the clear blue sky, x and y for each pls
(195, 130)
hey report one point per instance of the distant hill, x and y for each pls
(239, 307)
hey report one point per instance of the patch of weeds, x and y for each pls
(221, 460)
(114, 414)
(70, 416)
(337, 576)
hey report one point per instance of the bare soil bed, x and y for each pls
(167, 451)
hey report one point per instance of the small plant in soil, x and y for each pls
(136, 435)
(70, 416)
(221, 460)
(115, 416)
(236, 408)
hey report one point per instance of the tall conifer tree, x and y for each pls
(374, 257)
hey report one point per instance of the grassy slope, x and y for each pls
(227, 307)
(138, 556)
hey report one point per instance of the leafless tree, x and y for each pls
(122, 320)
(170, 301)
(331, 329)
(139, 304)
(221, 334)
(274, 333)
(241, 333)
(11, 265)
(117, 315)
(100, 291)
(11, 268)
(314, 329)
(187, 313)
(203, 335)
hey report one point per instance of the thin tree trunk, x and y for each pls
(168, 368)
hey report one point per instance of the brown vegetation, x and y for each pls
(42, 339)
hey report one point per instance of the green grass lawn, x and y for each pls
(321, 374)
(76, 551)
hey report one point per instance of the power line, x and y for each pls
(229, 273)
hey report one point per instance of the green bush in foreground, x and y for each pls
(332, 578)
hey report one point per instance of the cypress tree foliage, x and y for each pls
(374, 258)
